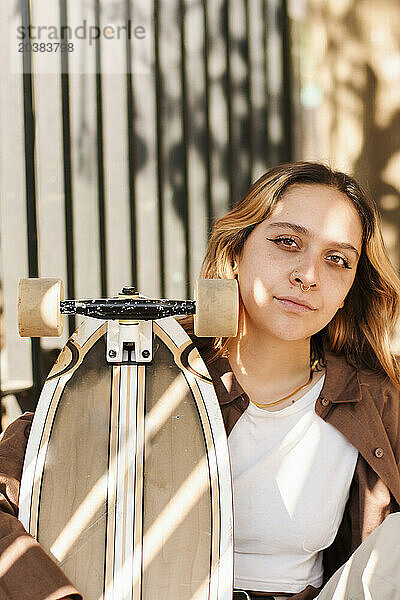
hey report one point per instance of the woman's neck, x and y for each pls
(268, 368)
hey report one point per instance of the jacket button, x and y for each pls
(324, 401)
(378, 452)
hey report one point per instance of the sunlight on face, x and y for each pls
(313, 237)
(260, 294)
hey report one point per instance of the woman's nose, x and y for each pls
(306, 276)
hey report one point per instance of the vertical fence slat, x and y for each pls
(240, 100)
(67, 167)
(30, 180)
(287, 84)
(218, 109)
(159, 145)
(248, 136)
(84, 175)
(130, 108)
(145, 150)
(185, 127)
(100, 160)
(207, 138)
(116, 177)
(259, 137)
(49, 156)
(16, 367)
(227, 86)
(173, 178)
(196, 139)
(275, 81)
(29, 138)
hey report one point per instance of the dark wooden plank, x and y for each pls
(239, 93)
(218, 107)
(67, 167)
(258, 88)
(30, 183)
(100, 161)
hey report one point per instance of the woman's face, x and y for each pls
(313, 237)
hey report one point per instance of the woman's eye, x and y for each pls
(287, 242)
(340, 261)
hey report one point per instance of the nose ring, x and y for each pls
(295, 279)
(304, 288)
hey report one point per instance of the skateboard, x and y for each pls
(126, 481)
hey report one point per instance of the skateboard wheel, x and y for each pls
(217, 308)
(39, 307)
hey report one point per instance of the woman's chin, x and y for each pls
(286, 334)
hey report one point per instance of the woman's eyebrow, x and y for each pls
(293, 226)
(307, 232)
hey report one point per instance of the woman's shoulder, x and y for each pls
(351, 381)
(384, 392)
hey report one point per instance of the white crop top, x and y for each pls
(291, 478)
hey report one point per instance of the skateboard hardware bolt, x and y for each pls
(112, 354)
(145, 354)
(127, 291)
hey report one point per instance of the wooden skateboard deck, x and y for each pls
(126, 481)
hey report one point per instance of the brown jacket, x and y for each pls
(26, 572)
(363, 406)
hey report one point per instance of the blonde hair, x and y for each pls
(361, 329)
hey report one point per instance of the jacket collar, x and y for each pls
(342, 382)
(225, 383)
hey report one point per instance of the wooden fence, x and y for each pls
(117, 155)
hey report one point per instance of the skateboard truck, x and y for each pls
(130, 332)
(129, 326)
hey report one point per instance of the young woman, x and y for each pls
(309, 389)
(309, 393)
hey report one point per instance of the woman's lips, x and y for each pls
(294, 305)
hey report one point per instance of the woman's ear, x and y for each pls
(235, 268)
